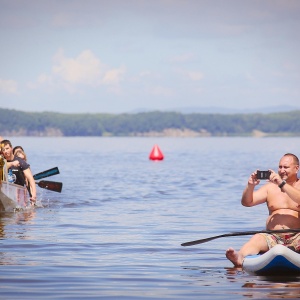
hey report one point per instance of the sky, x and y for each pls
(116, 56)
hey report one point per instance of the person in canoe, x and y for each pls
(19, 152)
(282, 195)
(20, 168)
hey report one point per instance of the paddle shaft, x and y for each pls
(238, 234)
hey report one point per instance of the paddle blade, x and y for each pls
(46, 173)
(50, 185)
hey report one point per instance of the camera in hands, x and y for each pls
(263, 175)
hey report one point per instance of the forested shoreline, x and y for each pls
(155, 123)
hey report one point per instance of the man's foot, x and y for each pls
(234, 257)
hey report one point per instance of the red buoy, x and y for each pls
(156, 154)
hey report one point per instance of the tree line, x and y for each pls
(20, 123)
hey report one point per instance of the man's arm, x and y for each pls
(291, 191)
(251, 197)
(31, 182)
(14, 163)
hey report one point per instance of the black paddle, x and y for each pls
(237, 234)
(50, 185)
(46, 173)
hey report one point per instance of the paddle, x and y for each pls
(237, 234)
(46, 173)
(50, 185)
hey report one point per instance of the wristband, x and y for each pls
(282, 184)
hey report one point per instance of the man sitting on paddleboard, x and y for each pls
(20, 168)
(282, 195)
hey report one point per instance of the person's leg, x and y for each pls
(255, 245)
(294, 242)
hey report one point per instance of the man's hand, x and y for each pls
(253, 179)
(32, 200)
(275, 178)
(15, 163)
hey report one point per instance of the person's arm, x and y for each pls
(290, 190)
(31, 182)
(14, 163)
(251, 197)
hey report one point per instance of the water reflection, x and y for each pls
(2, 226)
(9, 231)
(272, 290)
(233, 273)
(261, 287)
(20, 217)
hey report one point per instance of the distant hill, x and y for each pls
(155, 123)
(223, 110)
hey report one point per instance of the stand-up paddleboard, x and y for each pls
(278, 261)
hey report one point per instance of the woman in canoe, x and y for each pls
(19, 152)
(282, 195)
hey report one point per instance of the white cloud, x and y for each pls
(73, 73)
(114, 76)
(84, 69)
(8, 86)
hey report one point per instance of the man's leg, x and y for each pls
(255, 245)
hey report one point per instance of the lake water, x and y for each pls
(115, 230)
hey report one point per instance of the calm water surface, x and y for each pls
(115, 230)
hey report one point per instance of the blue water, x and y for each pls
(115, 230)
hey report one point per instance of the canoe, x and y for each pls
(14, 197)
(278, 261)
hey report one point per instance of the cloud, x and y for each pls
(8, 86)
(84, 69)
(113, 76)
